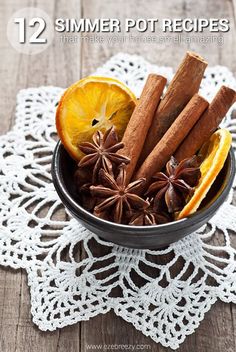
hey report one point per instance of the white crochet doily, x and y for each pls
(72, 274)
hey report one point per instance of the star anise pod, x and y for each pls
(176, 184)
(148, 216)
(102, 215)
(117, 196)
(101, 153)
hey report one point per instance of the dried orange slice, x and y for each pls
(91, 104)
(214, 153)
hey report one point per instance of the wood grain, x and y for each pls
(60, 65)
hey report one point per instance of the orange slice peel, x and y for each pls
(213, 153)
(91, 104)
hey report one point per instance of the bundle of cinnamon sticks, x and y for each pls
(178, 123)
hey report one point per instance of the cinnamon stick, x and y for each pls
(207, 124)
(172, 138)
(140, 121)
(183, 86)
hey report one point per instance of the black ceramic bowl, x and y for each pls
(152, 237)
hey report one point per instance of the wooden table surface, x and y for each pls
(60, 65)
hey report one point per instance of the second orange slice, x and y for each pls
(214, 154)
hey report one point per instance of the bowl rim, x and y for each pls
(88, 217)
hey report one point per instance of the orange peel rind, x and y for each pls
(91, 104)
(214, 153)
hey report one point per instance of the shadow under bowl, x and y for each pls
(143, 237)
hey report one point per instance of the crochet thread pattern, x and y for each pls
(72, 274)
